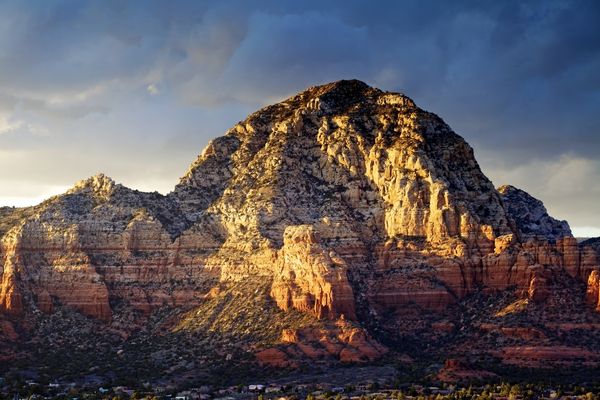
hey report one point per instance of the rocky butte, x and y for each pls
(342, 225)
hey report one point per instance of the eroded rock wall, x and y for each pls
(339, 194)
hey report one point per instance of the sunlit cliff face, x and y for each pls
(312, 231)
(339, 178)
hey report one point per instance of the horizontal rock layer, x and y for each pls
(349, 201)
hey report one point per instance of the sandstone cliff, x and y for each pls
(347, 201)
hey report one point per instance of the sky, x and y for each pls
(136, 89)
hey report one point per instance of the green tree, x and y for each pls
(515, 389)
(505, 389)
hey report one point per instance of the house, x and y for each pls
(443, 392)
(185, 395)
(273, 389)
(123, 389)
(256, 388)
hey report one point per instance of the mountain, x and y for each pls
(531, 216)
(343, 225)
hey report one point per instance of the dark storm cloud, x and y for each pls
(518, 79)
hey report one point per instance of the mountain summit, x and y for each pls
(346, 148)
(342, 225)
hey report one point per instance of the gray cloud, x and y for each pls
(128, 87)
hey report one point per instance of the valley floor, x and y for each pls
(370, 383)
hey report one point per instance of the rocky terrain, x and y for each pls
(342, 225)
(531, 216)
